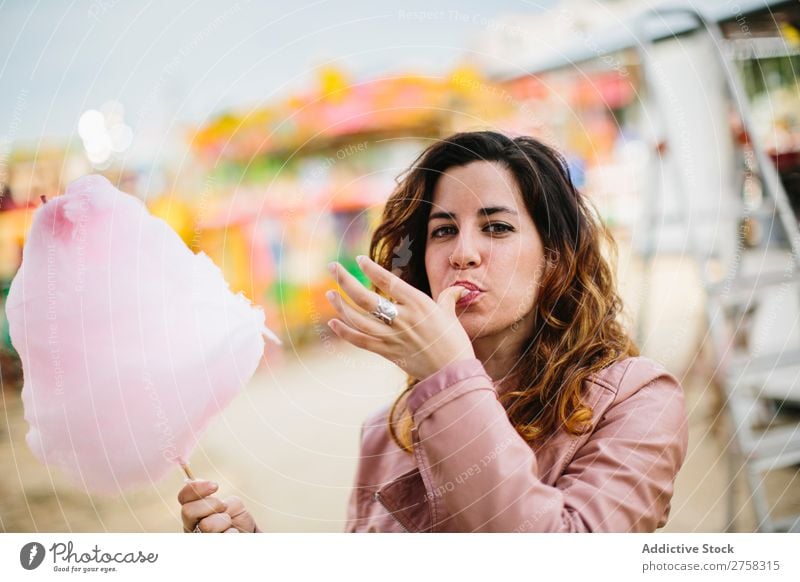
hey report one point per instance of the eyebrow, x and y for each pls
(487, 211)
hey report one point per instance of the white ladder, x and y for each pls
(753, 379)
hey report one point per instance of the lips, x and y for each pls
(467, 285)
(475, 292)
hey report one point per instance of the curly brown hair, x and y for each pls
(576, 330)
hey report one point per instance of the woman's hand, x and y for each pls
(210, 514)
(424, 337)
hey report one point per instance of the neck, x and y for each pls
(499, 354)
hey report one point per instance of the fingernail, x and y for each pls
(330, 295)
(360, 259)
(332, 267)
(212, 485)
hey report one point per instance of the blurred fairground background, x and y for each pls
(269, 137)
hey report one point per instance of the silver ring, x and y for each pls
(386, 311)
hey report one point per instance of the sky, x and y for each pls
(175, 62)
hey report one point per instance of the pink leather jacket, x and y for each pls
(472, 472)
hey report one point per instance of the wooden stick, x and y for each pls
(187, 470)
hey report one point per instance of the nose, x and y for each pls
(466, 254)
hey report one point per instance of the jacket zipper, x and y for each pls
(377, 497)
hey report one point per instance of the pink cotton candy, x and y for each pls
(130, 343)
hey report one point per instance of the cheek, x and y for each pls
(509, 266)
(518, 294)
(518, 276)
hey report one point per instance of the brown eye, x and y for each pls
(439, 232)
(499, 225)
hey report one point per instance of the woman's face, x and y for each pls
(480, 233)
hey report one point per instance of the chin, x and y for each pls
(475, 327)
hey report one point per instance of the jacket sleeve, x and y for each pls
(483, 476)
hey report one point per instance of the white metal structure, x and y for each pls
(724, 191)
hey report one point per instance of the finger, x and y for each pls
(357, 319)
(216, 523)
(352, 287)
(449, 297)
(355, 337)
(402, 292)
(195, 490)
(231, 530)
(194, 511)
(235, 506)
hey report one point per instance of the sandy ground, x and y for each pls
(288, 445)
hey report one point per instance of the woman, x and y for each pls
(528, 407)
